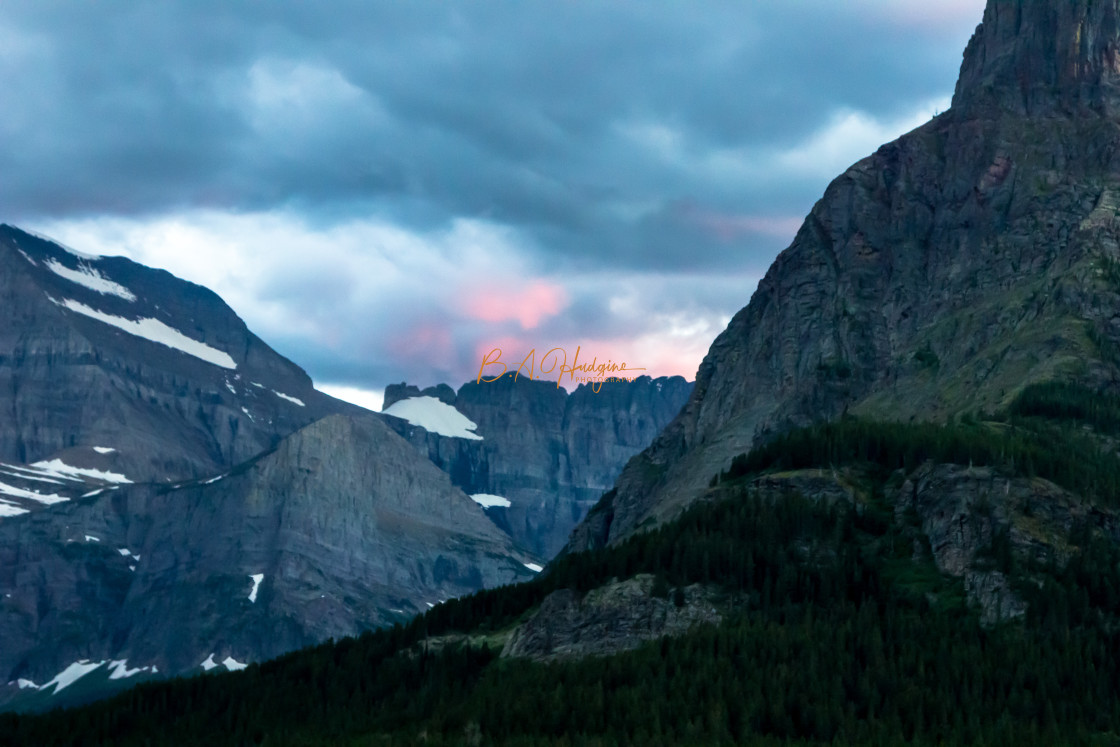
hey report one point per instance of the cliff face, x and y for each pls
(550, 454)
(940, 275)
(341, 528)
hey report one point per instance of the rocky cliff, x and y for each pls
(341, 528)
(938, 276)
(549, 454)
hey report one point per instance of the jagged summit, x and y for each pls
(1039, 56)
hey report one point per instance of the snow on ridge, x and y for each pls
(59, 468)
(155, 331)
(33, 476)
(208, 663)
(486, 500)
(257, 578)
(90, 278)
(103, 449)
(434, 416)
(72, 674)
(46, 500)
(11, 509)
(533, 567)
(289, 397)
(233, 664)
(60, 245)
(121, 670)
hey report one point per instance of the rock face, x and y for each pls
(612, 618)
(340, 529)
(957, 264)
(105, 352)
(550, 454)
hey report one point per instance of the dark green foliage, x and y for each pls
(1063, 455)
(927, 358)
(1069, 402)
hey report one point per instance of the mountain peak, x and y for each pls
(1040, 56)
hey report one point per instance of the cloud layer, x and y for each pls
(383, 190)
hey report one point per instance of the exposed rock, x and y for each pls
(350, 528)
(940, 275)
(70, 381)
(616, 617)
(551, 454)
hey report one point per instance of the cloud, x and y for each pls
(355, 178)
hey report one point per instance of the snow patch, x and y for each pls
(244, 410)
(288, 397)
(31, 476)
(155, 331)
(435, 416)
(72, 674)
(230, 387)
(257, 578)
(208, 663)
(104, 449)
(533, 567)
(10, 509)
(233, 664)
(27, 256)
(91, 538)
(90, 278)
(58, 468)
(212, 480)
(24, 684)
(121, 670)
(93, 493)
(487, 500)
(15, 492)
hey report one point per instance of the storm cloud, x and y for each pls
(384, 189)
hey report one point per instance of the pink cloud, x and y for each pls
(728, 227)
(556, 360)
(527, 305)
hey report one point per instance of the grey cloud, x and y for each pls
(508, 111)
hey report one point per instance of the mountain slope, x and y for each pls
(103, 352)
(341, 528)
(939, 276)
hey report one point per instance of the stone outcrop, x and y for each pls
(616, 617)
(551, 454)
(971, 257)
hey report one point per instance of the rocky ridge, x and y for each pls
(938, 276)
(550, 454)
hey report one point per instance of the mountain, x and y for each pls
(158, 373)
(940, 276)
(176, 495)
(536, 456)
(341, 528)
(888, 514)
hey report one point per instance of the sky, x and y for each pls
(391, 191)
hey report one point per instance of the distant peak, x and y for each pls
(1040, 56)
